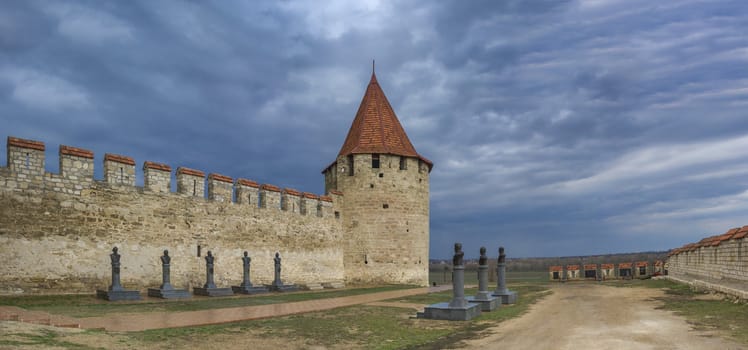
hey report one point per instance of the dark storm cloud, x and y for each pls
(556, 127)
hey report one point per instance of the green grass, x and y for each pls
(44, 338)
(89, 306)
(724, 315)
(360, 326)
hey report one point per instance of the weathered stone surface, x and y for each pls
(386, 213)
(76, 228)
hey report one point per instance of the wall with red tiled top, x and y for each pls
(717, 258)
(25, 173)
(65, 225)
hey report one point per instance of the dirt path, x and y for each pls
(589, 316)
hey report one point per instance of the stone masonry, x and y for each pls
(718, 260)
(371, 226)
(56, 229)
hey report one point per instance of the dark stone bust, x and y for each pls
(115, 256)
(457, 258)
(502, 256)
(246, 259)
(209, 258)
(483, 258)
(165, 259)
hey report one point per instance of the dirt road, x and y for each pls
(590, 316)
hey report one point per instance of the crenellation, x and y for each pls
(270, 196)
(220, 188)
(377, 233)
(290, 200)
(247, 192)
(190, 182)
(156, 177)
(119, 170)
(26, 157)
(309, 204)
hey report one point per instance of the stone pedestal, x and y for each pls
(117, 295)
(242, 289)
(282, 287)
(458, 309)
(213, 292)
(246, 287)
(166, 291)
(169, 293)
(507, 296)
(278, 285)
(116, 292)
(484, 297)
(209, 289)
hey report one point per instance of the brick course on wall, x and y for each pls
(720, 257)
(57, 230)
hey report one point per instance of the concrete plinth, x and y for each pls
(169, 293)
(490, 304)
(457, 309)
(442, 311)
(283, 288)
(508, 297)
(249, 289)
(117, 295)
(213, 292)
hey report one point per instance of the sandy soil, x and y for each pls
(589, 316)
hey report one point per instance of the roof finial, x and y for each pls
(372, 66)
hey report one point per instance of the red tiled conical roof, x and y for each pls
(376, 128)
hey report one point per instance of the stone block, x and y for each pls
(249, 290)
(117, 295)
(213, 292)
(442, 311)
(508, 297)
(169, 293)
(490, 304)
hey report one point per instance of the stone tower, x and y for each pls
(385, 197)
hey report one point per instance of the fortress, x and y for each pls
(371, 226)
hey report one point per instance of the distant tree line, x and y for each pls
(542, 264)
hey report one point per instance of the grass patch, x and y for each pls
(89, 306)
(723, 315)
(44, 338)
(370, 327)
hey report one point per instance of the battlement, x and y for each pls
(25, 172)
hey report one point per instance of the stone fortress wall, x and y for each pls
(718, 262)
(57, 230)
(387, 215)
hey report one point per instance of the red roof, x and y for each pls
(606, 266)
(75, 151)
(572, 267)
(156, 166)
(556, 268)
(23, 143)
(624, 265)
(376, 129)
(119, 159)
(221, 178)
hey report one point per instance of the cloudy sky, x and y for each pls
(556, 127)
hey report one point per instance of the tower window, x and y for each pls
(403, 163)
(350, 165)
(375, 161)
(385, 206)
